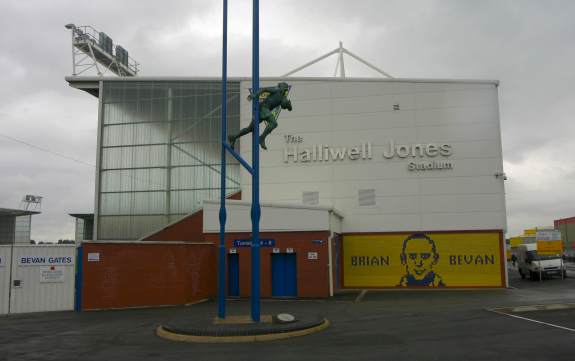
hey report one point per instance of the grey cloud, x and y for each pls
(524, 44)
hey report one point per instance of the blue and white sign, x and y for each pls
(33, 260)
(248, 242)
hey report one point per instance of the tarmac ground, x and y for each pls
(379, 325)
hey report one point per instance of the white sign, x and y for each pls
(94, 257)
(276, 250)
(233, 251)
(45, 261)
(312, 255)
(548, 235)
(52, 274)
(289, 250)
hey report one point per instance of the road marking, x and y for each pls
(536, 321)
(360, 296)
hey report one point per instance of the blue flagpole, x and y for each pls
(255, 212)
(222, 246)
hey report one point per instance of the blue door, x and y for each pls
(277, 275)
(290, 275)
(233, 275)
(284, 275)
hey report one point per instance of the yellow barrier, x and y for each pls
(549, 247)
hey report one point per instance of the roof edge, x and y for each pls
(145, 243)
(279, 205)
(16, 212)
(87, 81)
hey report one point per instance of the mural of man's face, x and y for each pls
(419, 257)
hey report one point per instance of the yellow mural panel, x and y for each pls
(423, 260)
(515, 241)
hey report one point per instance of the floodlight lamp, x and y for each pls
(70, 26)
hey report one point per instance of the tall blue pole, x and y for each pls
(224, 126)
(255, 212)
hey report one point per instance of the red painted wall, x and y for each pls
(147, 274)
(190, 228)
(557, 222)
(312, 275)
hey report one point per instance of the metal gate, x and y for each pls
(40, 278)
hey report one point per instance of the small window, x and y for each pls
(310, 198)
(366, 197)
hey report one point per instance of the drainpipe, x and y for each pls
(330, 257)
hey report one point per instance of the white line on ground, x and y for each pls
(532, 320)
(360, 296)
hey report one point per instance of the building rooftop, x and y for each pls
(82, 215)
(4, 212)
(90, 84)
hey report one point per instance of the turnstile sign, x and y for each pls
(248, 242)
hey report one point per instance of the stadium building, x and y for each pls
(15, 225)
(367, 183)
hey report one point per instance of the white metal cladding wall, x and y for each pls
(353, 113)
(160, 153)
(4, 278)
(275, 218)
(42, 278)
(22, 227)
(7, 226)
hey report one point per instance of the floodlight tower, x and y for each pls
(31, 203)
(94, 49)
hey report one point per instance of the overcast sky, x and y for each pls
(526, 45)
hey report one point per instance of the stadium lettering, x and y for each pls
(416, 150)
(325, 153)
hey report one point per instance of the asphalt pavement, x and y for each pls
(390, 325)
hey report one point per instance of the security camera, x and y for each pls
(501, 175)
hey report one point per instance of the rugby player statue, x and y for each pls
(274, 99)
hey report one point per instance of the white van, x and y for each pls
(529, 263)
